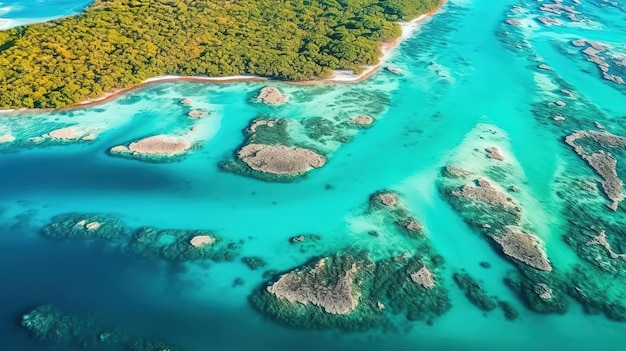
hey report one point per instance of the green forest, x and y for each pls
(119, 43)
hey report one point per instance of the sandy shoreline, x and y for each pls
(338, 77)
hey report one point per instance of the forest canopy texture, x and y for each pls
(119, 43)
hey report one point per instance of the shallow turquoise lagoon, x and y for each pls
(15, 13)
(468, 81)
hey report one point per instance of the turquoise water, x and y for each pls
(15, 13)
(464, 87)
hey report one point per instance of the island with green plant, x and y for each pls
(117, 44)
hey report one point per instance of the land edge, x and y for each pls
(407, 30)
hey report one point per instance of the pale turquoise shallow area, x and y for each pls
(457, 74)
(15, 13)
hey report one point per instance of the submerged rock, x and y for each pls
(543, 291)
(253, 262)
(180, 245)
(513, 22)
(394, 69)
(50, 324)
(601, 240)
(524, 247)
(85, 226)
(494, 153)
(260, 122)
(272, 96)
(279, 159)
(474, 292)
(198, 113)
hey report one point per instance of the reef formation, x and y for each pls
(53, 325)
(169, 244)
(350, 291)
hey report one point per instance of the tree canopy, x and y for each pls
(119, 43)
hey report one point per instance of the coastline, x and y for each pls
(338, 77)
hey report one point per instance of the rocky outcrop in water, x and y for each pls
(310, 286)
(362, 120)
(280, 159)
(271, 96)
(602, 162)
(157, 148)
(349, 291)
(523, 247)
(198, 113)
(423, 277)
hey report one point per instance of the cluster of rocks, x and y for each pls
(394, 69)
(601, 240)
(180, 245)
(593, 51)
(67, 134)
(260, 122)
(272, 96)
(549, 21)
(513, 22)
(482, 190)
(396, 214)
(558, 8)
(85, 226)
(173, 245)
